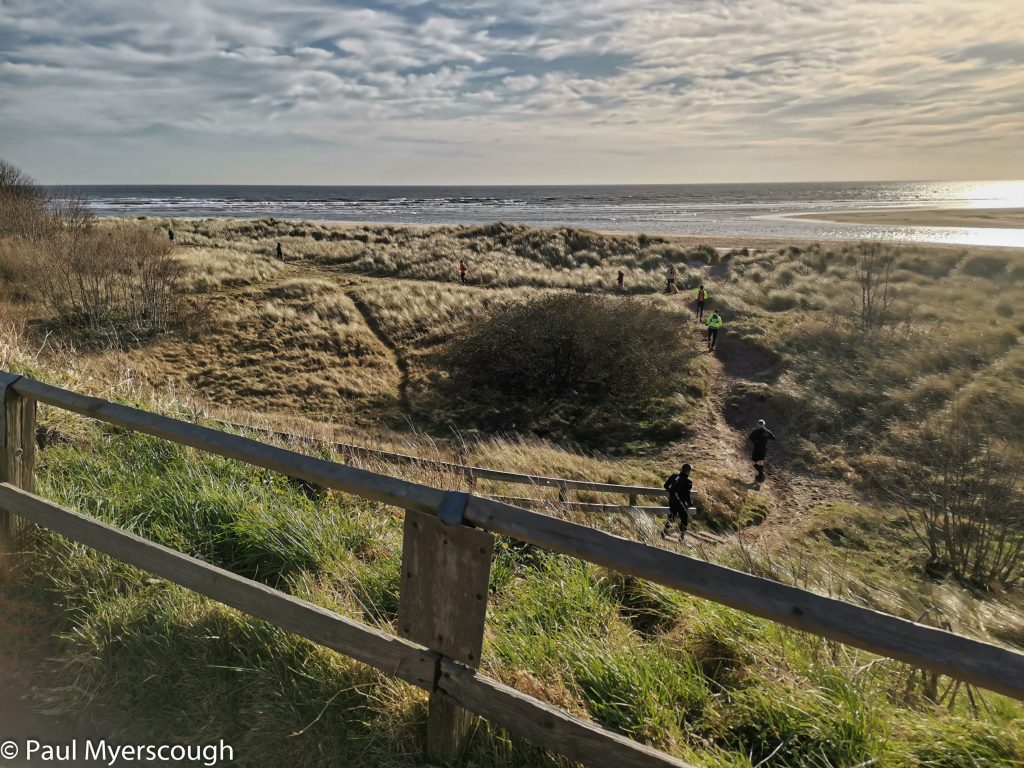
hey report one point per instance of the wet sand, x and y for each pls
(1002, 218)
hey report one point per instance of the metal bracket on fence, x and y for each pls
(453, 507)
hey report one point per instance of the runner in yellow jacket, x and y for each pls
(714, 324)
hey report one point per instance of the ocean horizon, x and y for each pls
(769, 210)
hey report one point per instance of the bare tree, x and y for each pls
(22, 203)
(961, 490)
(874, 265)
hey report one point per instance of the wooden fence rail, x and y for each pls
(471, 472)
(445, 567)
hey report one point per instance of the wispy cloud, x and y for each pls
(511, 90)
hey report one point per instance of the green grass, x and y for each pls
(711, 685)
(706, 683)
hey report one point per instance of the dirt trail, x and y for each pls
(724, 422)
(400, 363)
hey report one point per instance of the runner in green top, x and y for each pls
(714, 324)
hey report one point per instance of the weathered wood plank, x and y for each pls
(547, 725)
(391, 655)
(370, 485)
(17, 447)
(475, 473)
(445, 574)
(582, 506)
(972, 661)
(443, 605)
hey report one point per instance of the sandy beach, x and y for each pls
(1003, 218)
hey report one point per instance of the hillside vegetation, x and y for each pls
(344, 339)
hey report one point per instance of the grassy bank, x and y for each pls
(706, 683)
(340, 341)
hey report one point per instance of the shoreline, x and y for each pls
(721, 242)
(973, 218)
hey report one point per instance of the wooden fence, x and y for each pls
(634, 492)
(446, 562)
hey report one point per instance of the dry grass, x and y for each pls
(297, 346)
(209, 269)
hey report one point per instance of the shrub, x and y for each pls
(122, 280)
(986, 266)
(22, 203)
(961, 490)
(565, 360)
(874, 265)
(705, 253)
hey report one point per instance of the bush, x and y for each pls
(554, 363)
(22, 203)
(961, 490)
(986, 266)
(122, 280)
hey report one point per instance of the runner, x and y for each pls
(620, 281)
(714, 325)
(678, 486)
(760, 437)
(702, 296)
(463, 269)
(671, 273)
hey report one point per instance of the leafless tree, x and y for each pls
(961, 489)
(22, 203)
(874, 265)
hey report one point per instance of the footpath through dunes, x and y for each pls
(325, 338)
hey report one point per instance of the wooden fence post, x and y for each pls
(17, 447)
(446, 570)
(633, 501)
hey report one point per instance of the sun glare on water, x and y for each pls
(996, 194)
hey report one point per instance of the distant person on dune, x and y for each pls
(702, 296)
(170, 234)
(671, 274)
(463, 269)
(760, 437)
(678, 486)
(280, 253)
(620, 281)
(714, 325)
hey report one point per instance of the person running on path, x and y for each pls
(678, 486)
(620, 281)
(702, 296)
(170, 234)
(760, 437)
(670, 285)
(280, 252)
(463, 269)
(714, 325)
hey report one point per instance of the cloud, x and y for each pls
(674, 85)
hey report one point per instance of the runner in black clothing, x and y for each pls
(760, 437)
(678, 486)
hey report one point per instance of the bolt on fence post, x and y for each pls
(446, 570)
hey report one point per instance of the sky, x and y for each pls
(511, 91)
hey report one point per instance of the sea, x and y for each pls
(712, 210)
